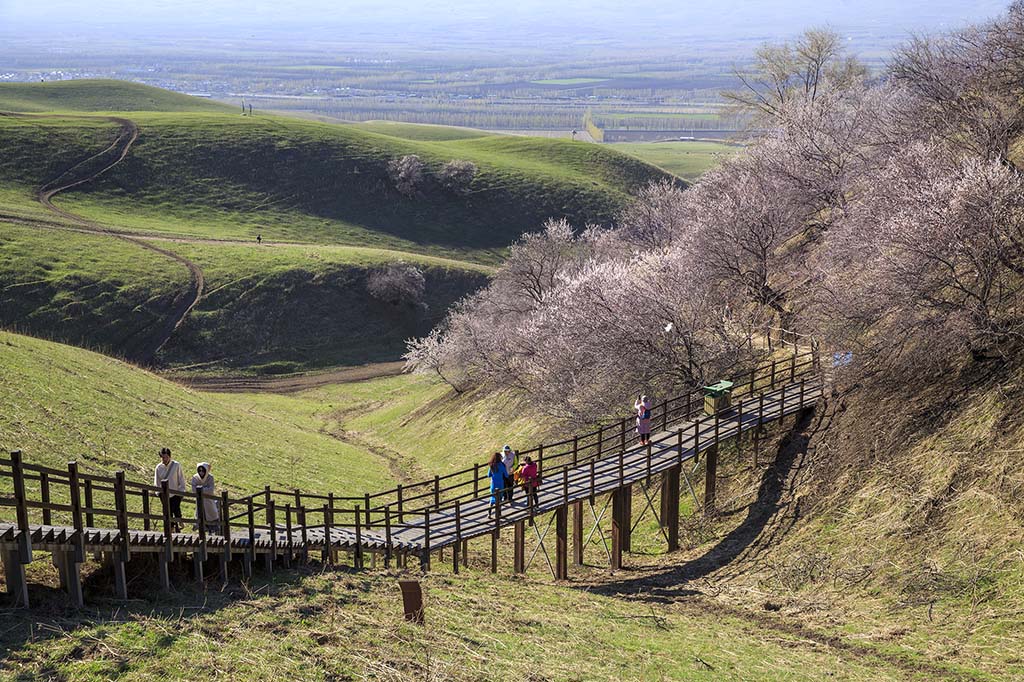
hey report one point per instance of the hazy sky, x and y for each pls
(583, 20)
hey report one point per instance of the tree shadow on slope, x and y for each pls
(769, 517)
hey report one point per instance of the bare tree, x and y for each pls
(456, 176)
(397, 283)
(805, 69)
(407, 174)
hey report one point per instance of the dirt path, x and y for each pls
(120, 147)
(289, 384)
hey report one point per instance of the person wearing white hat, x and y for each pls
(508, 458)
(202, 482)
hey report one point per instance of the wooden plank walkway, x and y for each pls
(417, 519)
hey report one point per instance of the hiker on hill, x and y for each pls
(259, 239)
(529, 477)
(508, 458)
(496, 472)
(170, 470)
(202, 482)
(642, 406)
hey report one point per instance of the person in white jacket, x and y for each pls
(170, 470)
(202, 482)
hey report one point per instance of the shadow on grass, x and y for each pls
(755, 531)
(53, 618)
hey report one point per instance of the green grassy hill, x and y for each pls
(98, 95)
(63, 403)
(204, 175)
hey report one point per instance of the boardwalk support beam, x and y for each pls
(620, 526)
(562, 543)
(670, 505)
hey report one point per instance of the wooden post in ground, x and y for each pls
(670, 505)
(268, 508)
(14, 572)
(289, 543)
(627, 538)
(225, 531)
(121, 554)
(519, 547)
(710, 476)
(619, 526)
(167, 555)
(562, 543)
(577, 532)
(357, 555)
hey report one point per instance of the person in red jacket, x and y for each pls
(530, 479)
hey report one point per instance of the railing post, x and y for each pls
(696, 441)
(575, 450)
(622, 436)
(565, 484)
(437, 492)
(272, 526)
(44, 493)
(664, 416)
(301, 515)
(540, 460)
(288, 534)
(739, 428)
(121, 510)
(146, 525)
(165, 503)
(752, 379)
(476, 480)
(387, 536)
(622, 465)
(648, 462)
(802, 380)
(401, 511)
(225, 528)
(366, 501)
(773, 375)
(201, 522)
(600, 440)
(679, 444)
(425, 557)
(89, 520)
(328, 542)
(593, 482)
(496, 533)
(76, 512)
(792, 366)
(21, 509)
(251, 520)
(458, 538)
(357, 557)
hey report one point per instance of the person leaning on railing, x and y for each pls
(170, 470)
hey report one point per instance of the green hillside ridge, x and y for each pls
(98, 95)
(63, 403)
(284, 309)
(228, 176)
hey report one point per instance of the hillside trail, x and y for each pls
(120, 147)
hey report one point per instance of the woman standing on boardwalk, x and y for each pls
(496, 472)
(529, 476)
(642, 406)
(202, 482)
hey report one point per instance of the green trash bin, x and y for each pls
(717, 397)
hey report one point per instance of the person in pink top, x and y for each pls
(642, 406)
(530, 478)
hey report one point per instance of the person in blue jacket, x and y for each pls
(497, 474)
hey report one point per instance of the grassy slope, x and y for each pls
(84, 289)
(688, 160)
(98, 95)
(62, 403)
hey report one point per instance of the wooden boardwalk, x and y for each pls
(73, 515)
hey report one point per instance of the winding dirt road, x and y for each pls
(118, 149)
